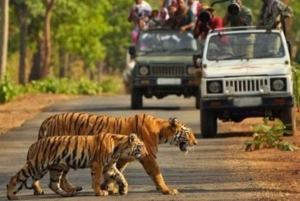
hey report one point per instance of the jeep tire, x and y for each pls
(209, 124)
(287, 116)
(136, 99)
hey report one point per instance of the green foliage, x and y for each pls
(83, 86)
(8, 90)
(111, 85)
(269, 136)
(296, 73)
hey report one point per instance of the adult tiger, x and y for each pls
(60, 153)
(151, 130)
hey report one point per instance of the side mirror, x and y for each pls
(131, 50)
(289, 44)
(197, 60)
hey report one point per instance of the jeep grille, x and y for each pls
(167, 70)
(251, 85)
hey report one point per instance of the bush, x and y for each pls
(8, 90)
(269, 136)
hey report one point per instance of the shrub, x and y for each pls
(269, 136)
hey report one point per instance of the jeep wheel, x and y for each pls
(287, 116)
(136, 99)
(209, 124)
(198, 95)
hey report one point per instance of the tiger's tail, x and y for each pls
(43, 129)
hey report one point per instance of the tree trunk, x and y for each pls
(35, 73)
(47, 32)
(64, 63)
(4, 8)
(23, 45)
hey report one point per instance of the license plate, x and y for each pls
(247, 101)
(172, 81)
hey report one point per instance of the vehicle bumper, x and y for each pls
(247, 102)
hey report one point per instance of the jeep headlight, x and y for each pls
(191, 70)
(278, 84)
(143, 70)
(214, 87)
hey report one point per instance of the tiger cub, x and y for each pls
(60, 153)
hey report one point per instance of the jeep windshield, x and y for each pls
(166, 42)
(258, 45)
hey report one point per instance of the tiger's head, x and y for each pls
(183, 137)
(137, 147)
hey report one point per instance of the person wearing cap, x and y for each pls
(242, 18)
(203, 25)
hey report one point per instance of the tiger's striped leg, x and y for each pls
(96, 172)
(11, 186)
(110, 184)
(55, 177)
(150, 165)
(111, 175)
(22, 176)
(37, 190)
(66, 185)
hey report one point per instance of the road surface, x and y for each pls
(210, 171)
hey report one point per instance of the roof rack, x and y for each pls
(235, 28)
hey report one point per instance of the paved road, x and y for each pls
(209, 172)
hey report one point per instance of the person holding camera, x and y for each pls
(205, 22)
(238, 15)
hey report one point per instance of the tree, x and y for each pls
(47, 42)
(3, 36)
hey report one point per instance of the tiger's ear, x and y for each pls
(173, 122)
(132, 137)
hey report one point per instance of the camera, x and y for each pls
(233, 8)
(204, 16)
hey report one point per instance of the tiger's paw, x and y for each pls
(123, 189)
(101, 193)
(170, 191)
(12, 197)
(38, 192)
(113, 191)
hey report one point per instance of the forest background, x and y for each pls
(87, 38)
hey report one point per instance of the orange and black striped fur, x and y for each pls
(60, 153)
(151, 130)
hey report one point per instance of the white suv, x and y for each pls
(246, 72)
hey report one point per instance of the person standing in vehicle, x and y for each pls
(203, 26)
(184, 17)
(240, 16)
(139, 14)
(272, 13)
(271, 16)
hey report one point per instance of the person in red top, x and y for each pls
(206, 21)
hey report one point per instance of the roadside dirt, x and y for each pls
(276, 171)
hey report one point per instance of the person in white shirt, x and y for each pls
(141, 10)
(194, 6)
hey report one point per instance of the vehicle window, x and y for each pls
(167, 41)
(245, 46)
